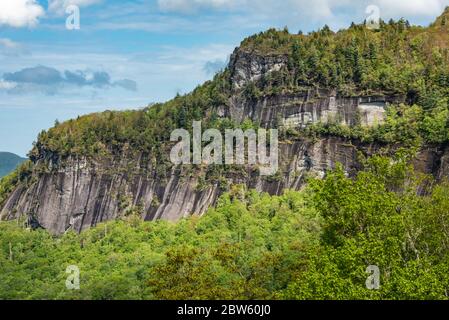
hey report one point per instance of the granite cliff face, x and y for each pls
(301, 108)
(77, 193)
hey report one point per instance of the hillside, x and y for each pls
(313, 244)
(363, 117)
(8, 162)
(335, 97)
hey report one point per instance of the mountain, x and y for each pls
(335, 98)
(8, 162)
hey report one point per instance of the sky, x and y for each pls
(127, 54)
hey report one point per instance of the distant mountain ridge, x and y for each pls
(8, 162)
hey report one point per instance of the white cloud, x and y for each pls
(51, 81)
(20, 13)
(59, 6)
(6, 85)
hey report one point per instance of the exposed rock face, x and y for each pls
(81, 196)
(247, 67)
(79, 193)
(301, 108)
(312, 106)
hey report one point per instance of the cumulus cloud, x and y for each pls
(59, 6)
(20, 13)
(38, 75)
(82, 78)
(51, 81)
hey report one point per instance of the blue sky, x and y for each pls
(130, 53)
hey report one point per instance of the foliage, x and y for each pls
(397, 59)
(312, 244)
(112, 132)
(378, 219)
(8, 183)
(409, 126)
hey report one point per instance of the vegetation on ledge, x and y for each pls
(408, 126)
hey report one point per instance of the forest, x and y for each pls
(315, 243)
(399, 58)
(310, 244)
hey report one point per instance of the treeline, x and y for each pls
(395, 59)
(145, 130)
(313, 244)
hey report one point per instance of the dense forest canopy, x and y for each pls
(312, 244)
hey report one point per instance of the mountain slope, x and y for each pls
(335, 97)
(8, 162)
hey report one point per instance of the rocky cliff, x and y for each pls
(79, 192)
